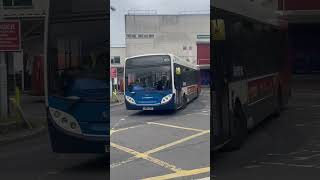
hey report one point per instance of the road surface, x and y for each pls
(161, 145)
(287, 147)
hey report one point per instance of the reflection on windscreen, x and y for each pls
(148, 74)
(81, 65)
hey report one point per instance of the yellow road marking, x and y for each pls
(114, 165)
(182, 173)
(159, 149)
(176, 142)
(146, 157)
(112, 131)
(178, 127)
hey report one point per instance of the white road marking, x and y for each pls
(252, 166)
(290, 165)
(207, 178)
(306, 157)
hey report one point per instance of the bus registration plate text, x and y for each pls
(148, 108)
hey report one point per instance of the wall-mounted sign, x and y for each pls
(10, 36)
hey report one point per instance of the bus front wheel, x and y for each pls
(185, 101)
(278, 103)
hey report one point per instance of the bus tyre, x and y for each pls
(239, 131)
(197, 94)
(185, 101)
(279, 103)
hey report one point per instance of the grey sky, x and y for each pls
(161, 6)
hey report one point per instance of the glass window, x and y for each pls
(150, 73)
(116, 60)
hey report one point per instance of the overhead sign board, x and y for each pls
(10, 36)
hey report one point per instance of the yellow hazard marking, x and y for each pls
(160, 148)
(112, 131)
(176, 142)
(182, 173)
(114, 165)
(178, 127)
(146, 157)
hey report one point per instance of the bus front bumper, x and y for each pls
(157, 107)
(66, 142)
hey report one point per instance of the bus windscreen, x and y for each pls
(151, 73)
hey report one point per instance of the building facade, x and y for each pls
(117, 58)
(185, 35)
(25, 68)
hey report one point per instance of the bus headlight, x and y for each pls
(130, 100)
(166, 99)
(65, 121)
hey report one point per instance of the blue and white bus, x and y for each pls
(77, 63)
(159, 82)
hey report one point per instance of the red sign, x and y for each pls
(113, 72)
(203, 51)
(10, 36)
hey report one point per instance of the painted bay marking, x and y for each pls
(114, 165)
(146, 157)
(112, 131)
(207, 178)
(158, 149)
(178, 127)
(182, 173)
(176, 142)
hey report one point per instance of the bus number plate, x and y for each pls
(147, 108)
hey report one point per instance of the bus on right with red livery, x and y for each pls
(251, 75)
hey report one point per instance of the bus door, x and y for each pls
(178, 85)
(219, 93)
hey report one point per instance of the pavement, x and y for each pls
(120, 100)
(287, 147)
(155, 145)
(33, 108)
